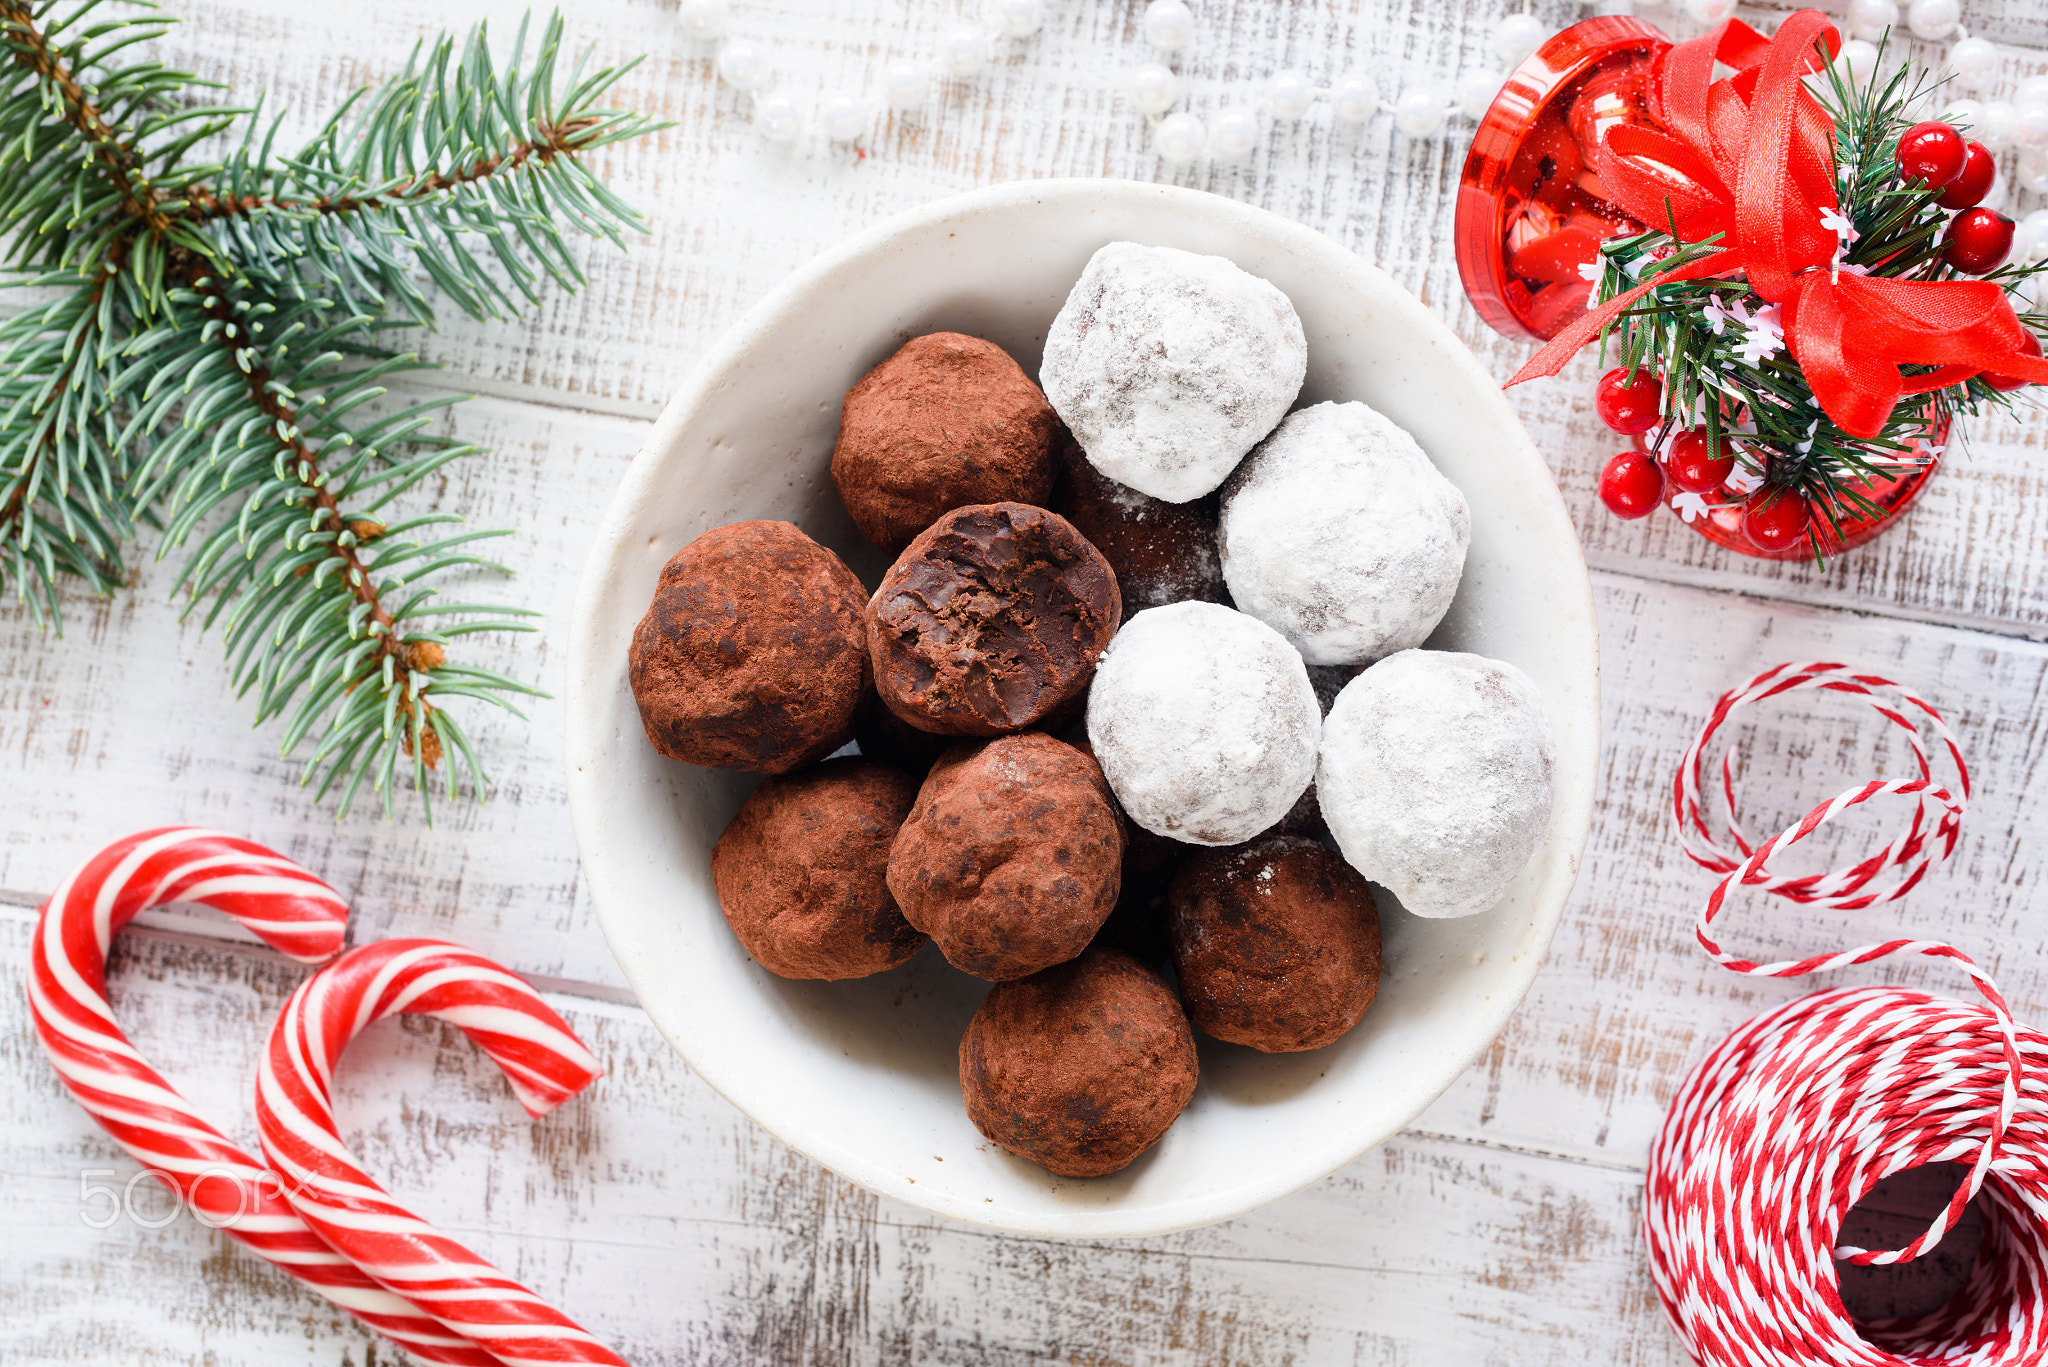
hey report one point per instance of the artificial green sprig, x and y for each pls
(209, 341)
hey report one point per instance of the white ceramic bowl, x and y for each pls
(863, 1076)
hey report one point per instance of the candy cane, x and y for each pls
(226, 1187)
(546, 1065)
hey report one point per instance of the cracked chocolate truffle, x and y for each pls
(991, 621)
(1161, 552)
(1011, 858)
(1080, 1068)
(1276, 944)
(947, 421)
(802, 871)
(753, 654)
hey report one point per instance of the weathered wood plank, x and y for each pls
(671, 1226)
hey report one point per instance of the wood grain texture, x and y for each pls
(1501, 1229)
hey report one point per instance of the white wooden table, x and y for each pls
(1500, 1229)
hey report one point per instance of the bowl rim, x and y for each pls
(588, 682)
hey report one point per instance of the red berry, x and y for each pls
(1629, 406)
(1774, 519)
(1977, 241)
(1688, 464)
(2006, 384)
(1632, 486)
(1931, 152)
(1969, 188)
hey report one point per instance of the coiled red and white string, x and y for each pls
(546, 1065)
(1799, 1114)
(229, 1188)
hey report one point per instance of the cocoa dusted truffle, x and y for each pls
(1080, 1068)
(991, 621)
(753, 653)
(1276, 943)
(947, 421)
(1162, 552)
(1011, 858)
(802, 871)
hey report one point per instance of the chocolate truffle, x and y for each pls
(991, 621)
(753, 653)
(947, 421)
(1010, 860)
(1436, 777)
(802, 871)
(1162, 552)
(1080, 1068)
(1168, 366)
(1205, 723)
(1338, 533)
(1141, 923)
(1277, 944)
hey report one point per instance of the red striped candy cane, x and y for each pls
(546, 1065)
(226, 1187)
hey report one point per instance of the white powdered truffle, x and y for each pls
(1204, 723)
(1436, 777)
(1340, 534)
(1168, 366)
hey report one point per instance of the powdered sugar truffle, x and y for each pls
(1340, 534)
(1436, 777)
(1204, 723)
(1168, 366)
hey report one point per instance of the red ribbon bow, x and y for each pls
(1752, 157)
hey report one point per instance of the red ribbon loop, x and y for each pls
(1751, 158)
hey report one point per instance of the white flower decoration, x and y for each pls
(1592, 270)
(1744, 478)
(1689, 506)
(1763, 335)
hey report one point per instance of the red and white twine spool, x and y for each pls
(1798, 1115)
(546, 1065)
(225, 1186)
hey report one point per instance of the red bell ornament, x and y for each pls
(1931, 153)
(1629, 402)
(1967, 190)
(1631, 485)
(1977, 241)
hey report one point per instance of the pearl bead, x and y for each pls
(1290, 95)
(742, 65)
(2032, 171)
(906, 84)
(1234, 133)
(1475, 91)
(778, 118)
(1868, 19)
(1858, 59)
(1996, 125)
(842, 117)
(1709, 11)
(1995, 197)
(1153, 88)
(704, 18)
(2030, 240)
(1611, 9)
(1420, 112)
(1355, 98)
(1169, 24)
(1516, 36)
(1179, 138)
(2030, 127)
(2032, 91)
(964, 52)
(1974, 62)
(1933, 19)
(1020, 18)
(1964, 114)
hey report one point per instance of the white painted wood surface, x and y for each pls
(1502, 1229)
